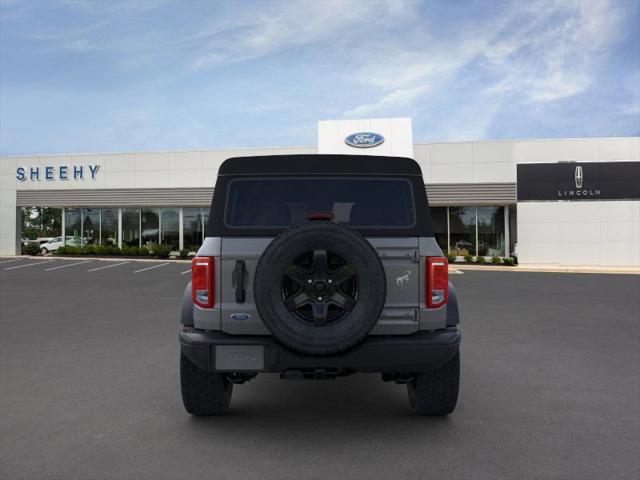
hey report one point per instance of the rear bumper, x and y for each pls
(419, 352)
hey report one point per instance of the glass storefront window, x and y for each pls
(109, 226)
(490, 231)
(90, 226)
(73, 227)
(462, 223)
(131, 227)
(471, 230)
(150, 226)
(192, 228)
(170, 231)
(439, 216)
(205, 221)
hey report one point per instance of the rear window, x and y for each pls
(358, 202)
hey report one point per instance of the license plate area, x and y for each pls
(239, 357)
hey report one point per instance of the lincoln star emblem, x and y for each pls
(403, 279)
(579, 177)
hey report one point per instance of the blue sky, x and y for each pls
(104, 76)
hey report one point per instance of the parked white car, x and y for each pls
(57, 242)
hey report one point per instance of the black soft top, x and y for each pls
(316, 164)
(320, 164)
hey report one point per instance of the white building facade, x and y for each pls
(566, 202)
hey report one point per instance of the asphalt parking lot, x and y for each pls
(89, 387)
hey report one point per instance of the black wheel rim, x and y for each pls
(320, 288)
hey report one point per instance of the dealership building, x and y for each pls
(565, 202)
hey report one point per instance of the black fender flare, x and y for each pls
(186, 309)
(453, 314)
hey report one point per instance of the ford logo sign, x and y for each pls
(240, 316)
(364, 139)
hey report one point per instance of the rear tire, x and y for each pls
(203, 393)
(436, 393)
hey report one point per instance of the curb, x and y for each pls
(99, 259)
(550, 269)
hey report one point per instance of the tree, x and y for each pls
(41, 222)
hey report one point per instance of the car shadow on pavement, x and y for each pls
(359, 401)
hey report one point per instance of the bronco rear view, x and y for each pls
(316, 267)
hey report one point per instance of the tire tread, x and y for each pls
(203, 393)
(436, 393)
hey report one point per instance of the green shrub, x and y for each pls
(89, 250)
(468, 258)
(451, 257)
(496, 259)
(509, 261)
(144, 251)
(68, 250)
(162, 251)
(184, 253)
(61, 251)
(31, 249)
(481, 260)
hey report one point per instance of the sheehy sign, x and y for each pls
(60, 172)
(576, 181)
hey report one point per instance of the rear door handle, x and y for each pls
(238, 281)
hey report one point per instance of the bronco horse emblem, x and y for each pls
(402, 279)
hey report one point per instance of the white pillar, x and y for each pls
(159, 226)
(139, 227)
(64, 227)
(181, 230)
(10, 212)
(507, 241)
(18, 236)
(81, 226)
(119, 228)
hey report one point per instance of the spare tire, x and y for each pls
(319, 288)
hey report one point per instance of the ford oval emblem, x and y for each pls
(240, 316)
(364, 139)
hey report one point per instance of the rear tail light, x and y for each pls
(437, 281)
(202, 281)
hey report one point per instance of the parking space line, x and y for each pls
(149, 268)
(30, 264)
(108, 266)
(9, 261)
(65, 266)
(185, 272)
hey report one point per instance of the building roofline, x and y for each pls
(521, 140)
(249, 149)
(143, 152)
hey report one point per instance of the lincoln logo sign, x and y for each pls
(569, 181)
(61, 172)
(579, 177)
(364, 140)
(578, 191)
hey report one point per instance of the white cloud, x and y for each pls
(288, 25)
(552, 55)
(536, 51)
(398, 98)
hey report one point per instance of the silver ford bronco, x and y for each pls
(315, 267)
